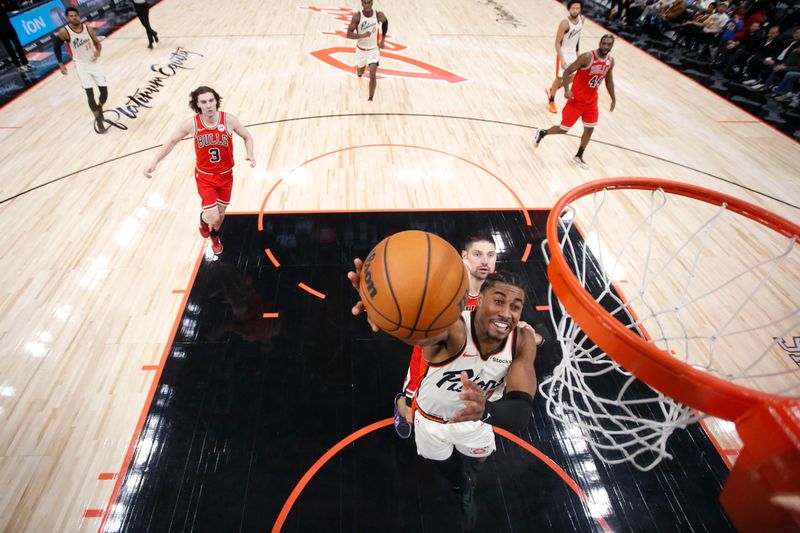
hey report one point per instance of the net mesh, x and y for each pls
(675, 274)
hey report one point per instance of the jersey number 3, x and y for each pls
(214, 153)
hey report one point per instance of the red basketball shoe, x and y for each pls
(216, 244)
(205, 229)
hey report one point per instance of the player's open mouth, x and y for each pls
(500, 326)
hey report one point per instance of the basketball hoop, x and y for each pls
(672, 304)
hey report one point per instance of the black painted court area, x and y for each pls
(246, 405)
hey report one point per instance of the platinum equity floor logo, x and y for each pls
(142, 97)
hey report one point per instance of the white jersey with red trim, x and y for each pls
(81, 46)
(570, 40)
(368, 24)
(438, 394)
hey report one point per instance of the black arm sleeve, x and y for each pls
(57, 48)
(384, 27)
(511, 413)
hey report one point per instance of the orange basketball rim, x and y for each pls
(768, 424)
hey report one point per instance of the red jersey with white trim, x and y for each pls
(213, 146)
(587, 80)
(472, 303)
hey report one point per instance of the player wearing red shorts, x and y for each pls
(592, 68)
(212, 131)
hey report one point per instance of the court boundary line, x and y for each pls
(420, 115)
(156, 378)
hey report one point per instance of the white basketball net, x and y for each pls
(728, 309)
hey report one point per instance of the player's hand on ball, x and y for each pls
(355, 276)
(355, 279)
(474, 401)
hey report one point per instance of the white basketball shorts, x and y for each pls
(436, 441)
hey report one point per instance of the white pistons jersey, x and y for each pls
(437, 397)
(368, 24)
(569, 43)
(81, 47)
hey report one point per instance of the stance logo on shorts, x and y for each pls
(478, 451)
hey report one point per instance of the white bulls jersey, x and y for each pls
(369, 24)
(437, 397)
(569, 43)
(81, 47)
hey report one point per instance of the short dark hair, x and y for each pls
(67, 11)
(202, 90)
(608, 36)
(478, 236)
(570, 2)
(503, 276)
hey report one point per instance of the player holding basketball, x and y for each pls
(592, 68)
(568, 38)
(212, 130)
(480, 257)
(364, 27)
(85, 49)
(481, 354)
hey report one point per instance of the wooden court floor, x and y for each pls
(96, 258)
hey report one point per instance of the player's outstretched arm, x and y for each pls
(175, 137)
(242, 132)
(448, 340)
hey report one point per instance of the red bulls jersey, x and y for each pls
(213, 146)
(588, 79)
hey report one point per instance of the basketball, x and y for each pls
(413, 285)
